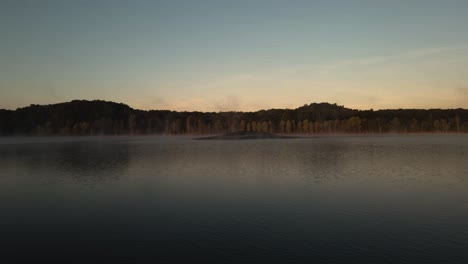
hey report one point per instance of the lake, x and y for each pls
(334, 199)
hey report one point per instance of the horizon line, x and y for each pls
(226, 111)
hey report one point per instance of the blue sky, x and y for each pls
(235, 55)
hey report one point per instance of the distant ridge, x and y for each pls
(82, 117)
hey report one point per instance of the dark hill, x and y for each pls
(81, 117)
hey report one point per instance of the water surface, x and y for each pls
(382, 199)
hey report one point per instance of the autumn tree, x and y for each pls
(288, 127)
(131, 123)
(242, 126)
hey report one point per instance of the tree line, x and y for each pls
(81, 117)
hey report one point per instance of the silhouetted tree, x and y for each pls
(80, 117)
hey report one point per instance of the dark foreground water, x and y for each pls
(400, 199)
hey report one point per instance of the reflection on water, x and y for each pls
(399, 199)
(93, 161)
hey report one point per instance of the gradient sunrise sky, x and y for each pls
(235, 55)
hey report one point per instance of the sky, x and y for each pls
(235, 55)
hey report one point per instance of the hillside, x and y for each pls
(81, 117)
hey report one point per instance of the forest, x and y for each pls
(84, 118)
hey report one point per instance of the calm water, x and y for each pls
(393, 199)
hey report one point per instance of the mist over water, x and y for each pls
(383, 199)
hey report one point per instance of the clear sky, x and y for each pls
(235, 55)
